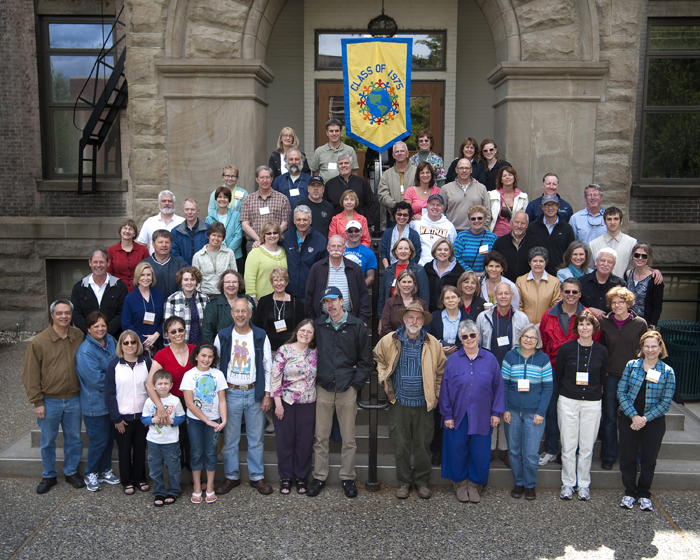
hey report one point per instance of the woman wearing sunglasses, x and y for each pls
(648, 296)
(489, 155)
(471, 403)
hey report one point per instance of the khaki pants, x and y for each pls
(345, 405)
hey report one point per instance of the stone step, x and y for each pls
(20, 460)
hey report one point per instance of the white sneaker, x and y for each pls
(584, 493)
(645, 504)
(546, 458)
(91, 482)
(109, 477)
(627, 502)
(567, 493)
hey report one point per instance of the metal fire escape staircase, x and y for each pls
(105, 104)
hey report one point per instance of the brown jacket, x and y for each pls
(433, 360)
(536, 300)
(49, 366)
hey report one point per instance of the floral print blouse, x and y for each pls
(294, 375)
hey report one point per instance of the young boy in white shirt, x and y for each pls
(163, 441)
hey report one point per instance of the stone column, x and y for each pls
(545, 121)
(215, 115)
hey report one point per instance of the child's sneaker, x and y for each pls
(109, 477)
(91, 482)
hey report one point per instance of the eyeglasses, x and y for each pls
(230, 176)
(476, 218)
(641, 256)
(177, 331)
(528, 338)
(468, 336)
(402, 215)
(353, 230)
(129, 343)
(488, 150)
(572, 292)
(271, 233)
(304, 331)
(463, 168)
(616, 303)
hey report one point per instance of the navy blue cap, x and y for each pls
(317, 179)
(331, 292)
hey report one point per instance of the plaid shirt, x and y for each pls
(658, 395)
(280, 210)
(177, 305)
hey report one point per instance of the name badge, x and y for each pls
(149, 317)
(503, 341)
(448, 342)
(523, 385)
(401, 189)
(293, 192)
(393, 284)
(264, 210)
(238, 195)
(483, 249)
(653, 376)
(581, 378)
(281, 325)
(332, 166)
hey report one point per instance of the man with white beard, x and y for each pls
(295, 183)
(166, 219)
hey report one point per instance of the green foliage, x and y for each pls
(435, 58)
(673, 82)
(671, 146)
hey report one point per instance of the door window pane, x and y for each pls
(671, 146)
(420, 120)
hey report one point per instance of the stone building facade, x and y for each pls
(559, 84)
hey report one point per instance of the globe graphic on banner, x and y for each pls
(379, 103)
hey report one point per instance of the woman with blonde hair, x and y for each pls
(143, 309)
(229, 176)
(350, 202)
(261, 260)
(286, 140)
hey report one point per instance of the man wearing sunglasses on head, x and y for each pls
(589, 223)
(557, 328)
(550, 185)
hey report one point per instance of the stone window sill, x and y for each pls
(71, 185)
(683, 190)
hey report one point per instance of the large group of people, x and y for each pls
(500, 320)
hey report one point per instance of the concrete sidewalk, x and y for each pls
(68, 523)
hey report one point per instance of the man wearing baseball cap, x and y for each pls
(554, 232)
(433, 226)
(322, 211)
(344, 365)
(358, 253)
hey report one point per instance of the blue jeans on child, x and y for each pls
(100, 430)
(65, 413)
(168, 454)
(523, 438)
(203, 442)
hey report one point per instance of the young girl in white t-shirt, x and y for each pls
(204, 388)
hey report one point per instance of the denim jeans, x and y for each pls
(100, 430)
(168, 454)
(65, 413)
(524, 438)
(551, 429)
(239, 405)
(608, 449)
(203, 442)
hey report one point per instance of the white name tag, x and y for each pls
(238, 195)
(581, 378)
(523, 384)
(401, 189)
(293, 192)
(264, 211)
(281, 325)
(393, 284)
(483, 249)
(332, 166)
(149, 317)
(653, 376)
(503, 341)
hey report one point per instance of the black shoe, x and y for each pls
(436, 459)
(45, 485)
(349, 488)
(606, 465)
(517, 492)
(75, 480)
(315, 487)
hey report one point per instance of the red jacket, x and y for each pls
(122, 264)
(553, 336)
(339, 222)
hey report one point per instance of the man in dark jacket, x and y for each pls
(346, 180)
(344, 365)
(191, 235)
(516, 245)
(336, 270)
(99, 291)
(596, 284)
(304, 247)
(555, 234)
(165, 264)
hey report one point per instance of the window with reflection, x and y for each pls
(428, 48)
(671, 112)
(70, 49)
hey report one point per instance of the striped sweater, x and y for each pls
(538, 370)
(467, 249)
